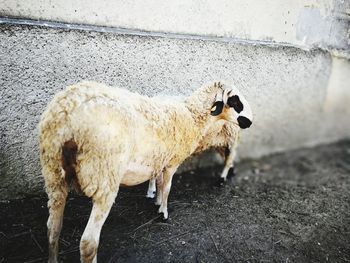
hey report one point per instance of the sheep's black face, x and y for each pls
(235, 102)
(230, 98)
(241, 109)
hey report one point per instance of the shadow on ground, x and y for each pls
(291, 207)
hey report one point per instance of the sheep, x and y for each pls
(224, 141)
(95, 139)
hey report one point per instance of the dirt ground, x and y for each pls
(291, 207)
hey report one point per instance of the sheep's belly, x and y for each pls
(136, 174)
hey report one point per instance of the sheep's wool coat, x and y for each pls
(122, 138)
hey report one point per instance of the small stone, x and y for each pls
(256, 171)
(266, 167)
(183, 242)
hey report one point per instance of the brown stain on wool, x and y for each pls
(69, 161)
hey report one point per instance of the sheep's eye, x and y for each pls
(217, 108)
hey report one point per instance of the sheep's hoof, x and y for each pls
(164, 211)
(220, 182)
(150, 195)
(165, 219)
(231, 176)
(231, 173)
(161, 219)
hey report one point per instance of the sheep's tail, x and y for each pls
(69, 161)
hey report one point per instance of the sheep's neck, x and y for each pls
(201, 124)
(199, 106)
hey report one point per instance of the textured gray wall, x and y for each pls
(287, 87)
(305, 23)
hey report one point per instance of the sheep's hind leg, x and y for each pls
(57, 200)
(165, 189)
(91, 236)
(151, 188)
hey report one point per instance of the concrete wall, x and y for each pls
(299, 96)
(307, 23)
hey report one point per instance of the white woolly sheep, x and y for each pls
(224, 139)
(98, 138)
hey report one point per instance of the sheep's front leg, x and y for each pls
(91, 236)
(165, 190)
(159, 181)
(151, 188)
(230, 157)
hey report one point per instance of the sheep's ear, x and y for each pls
(217, 108)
